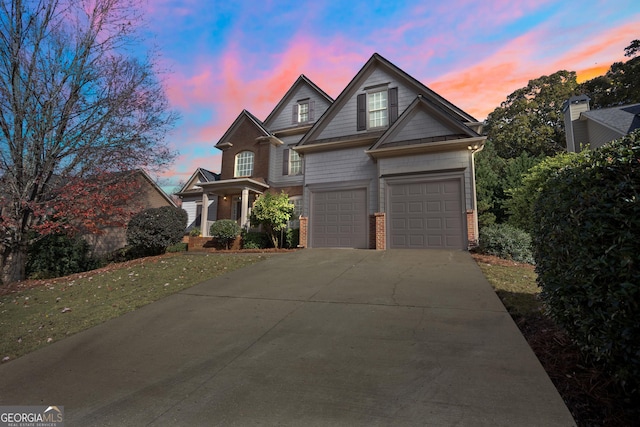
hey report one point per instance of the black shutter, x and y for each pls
(285, 161)
(393, 105)
(294, 115)
(311, 110)
(362, 111)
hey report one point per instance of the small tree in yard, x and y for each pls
(272, 211)
(225, 231)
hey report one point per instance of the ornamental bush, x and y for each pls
(225, 231)
(506, 241)
(153, 230)
(587, 245)
(255, 240)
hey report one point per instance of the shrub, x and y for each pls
(255, 240)
(59, 255)
(195, 232)
(506, 241)
(151, 231)
(225, 231)
(178, 247)
(586, 247)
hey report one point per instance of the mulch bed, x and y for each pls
(591, 395)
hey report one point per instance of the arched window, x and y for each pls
(244, 164)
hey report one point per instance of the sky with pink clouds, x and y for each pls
(225, 56)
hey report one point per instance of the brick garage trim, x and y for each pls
(380, 231)
(304, 224)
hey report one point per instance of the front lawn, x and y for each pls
(36, 313)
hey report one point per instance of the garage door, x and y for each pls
(426, 215)
(339, 219)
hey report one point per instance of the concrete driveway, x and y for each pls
(314, 337)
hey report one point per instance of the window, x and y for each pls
(377, 107)
(303, 112)
(294, 221)
(244, 164)
(291, 162)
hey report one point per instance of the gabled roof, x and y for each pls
(624, 119)
(449, 134)
(243, 115)
(204, 175)
(292, 90)
(377, 61)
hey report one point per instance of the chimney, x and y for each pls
(571, 110)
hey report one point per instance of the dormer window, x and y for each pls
(244, 164)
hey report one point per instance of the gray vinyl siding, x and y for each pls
(600, 135)
(276, 177)
(283, 119)
(429, 164)
(580, 134)
(421, 125)
(190, 205)
(344, 123)
(347, 168)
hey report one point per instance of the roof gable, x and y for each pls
(198, 177)
(424, 122)
(243, 116)
(302, 88)
(377, 71)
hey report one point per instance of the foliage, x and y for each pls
(75, 104)
(178, 247)
(620, 85)
(225, 231)
(506, 241)
(195, 232)
(521, 198)
(586, 247)
(494, 177)
(58, 255)
(292, 238)
(530, 120)
(153, 230)
(255, 240)
(272, 211)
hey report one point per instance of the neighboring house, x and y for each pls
(594, 128)
(390, 165)
(258, 157)
(191, 196)
(148, 195)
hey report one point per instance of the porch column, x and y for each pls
(204, 216)
(245, 207)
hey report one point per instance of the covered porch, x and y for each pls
(235, 197)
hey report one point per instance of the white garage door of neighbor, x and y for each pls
(426, 215)
(339, 219)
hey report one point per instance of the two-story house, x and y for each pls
(388, 164)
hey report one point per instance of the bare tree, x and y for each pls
(76, 101)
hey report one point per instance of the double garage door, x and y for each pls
(426, 214)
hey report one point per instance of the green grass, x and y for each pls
(515, 285)
(34, 317)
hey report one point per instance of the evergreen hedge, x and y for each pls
(587, 251)
(153, 230)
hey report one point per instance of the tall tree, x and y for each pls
(620, 85)
(75, 102)
(530, 119)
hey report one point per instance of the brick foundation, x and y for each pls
(380, 231)
(209, 244)
(472, 238)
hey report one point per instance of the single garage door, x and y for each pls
(339, 219)
(426, 215)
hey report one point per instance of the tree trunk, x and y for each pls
(13, 260)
